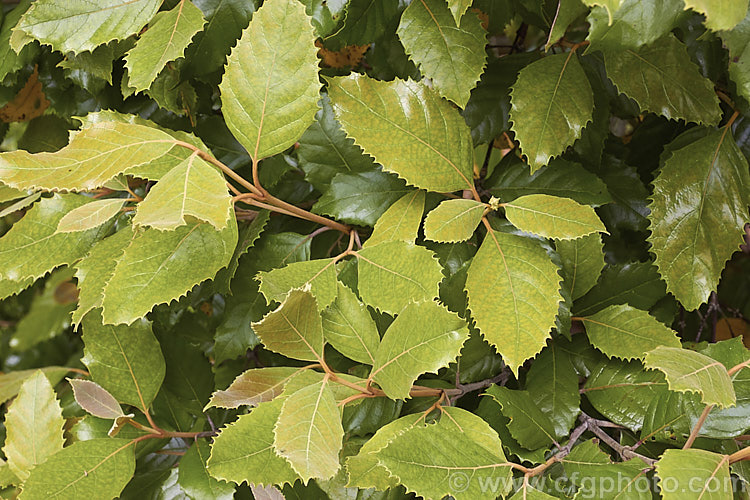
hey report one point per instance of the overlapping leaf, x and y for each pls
(625, 332)
(270, 88)
(294, 329)
(698, 210)
(583, 261)
(31, 248)
(553, 217)
(89, 216)
(528, 425)
(426, 458)
(513, 295)
(720, 14)
(670, 84)
(698, 474)
(195, 480)
(253, 387)
(319, 275)
(95, 155)
(690, 371)
(551, 103)
(349, 328)
(448, 47)
(192, 188)
(159, 266)
(424, 338)
(401, 220)
(34, 426)
(80, 25)
(397, 123)
(453, 220)
(97, 468)
(394, 273)
(168, 34)
(126, 361)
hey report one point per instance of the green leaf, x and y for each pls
(168, 34)
(364, 470)
(309, 432)
(513, 295)
(426, 459)
(270, 88)
(95, 399)
(159, 266)
(360, 198)
(401, 221)
(10, 60)
(194, 478)
(591, 469)
(294, 329)
(720, 14)
(528, 425)
(9, 194)
(689, 371)
(319, 275)
(694, 474)
(424, 338)
(49, 314)
(625, 332)
(623, 391)
(95, 155)
(98, 468)
(31, 248)
(526, 492)
(448, 48)
(408, 129)
(551, 103)
(244, 450)
(126, 361)
(79, 25)
(552, 383)
(254, 387)
(325, 150)
(582, 263)
(34, 426)
(736, 40)
(511, 180)
(96, 268)
(567, 12)
(636, 283)
(20, 204)
(453, 220)
(698, 211)
(633, 24)
(670, 84)
(553, 217)
(10, 383)
(90, 215)
(394, 273)
(458, 8)
(349, 328)
(191, 188)
(610, 5)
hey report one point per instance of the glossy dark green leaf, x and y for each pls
(528, 425)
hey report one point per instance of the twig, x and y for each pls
(697, 427)
(625, 452)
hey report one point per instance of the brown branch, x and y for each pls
(625, 452)
(697, 427)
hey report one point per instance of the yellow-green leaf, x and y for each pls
(159, 266)
(168, 35)
(270, 88)
(294, 329)
(191, 188)
(453, 220)
(625, 332)
(424, 338)
(95, 155)
(694, 475)
(447, 46)
(253, 387)
(401, 220)
(720, 14)
(34, 426)
(395, 273)
(690, 371)
(553, 217)
(89, 216)
(513, 290)
(551, 103)
(408, 129)
(319, 274)
(309, 432)
(349, 328)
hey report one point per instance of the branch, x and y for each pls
(625, 452)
